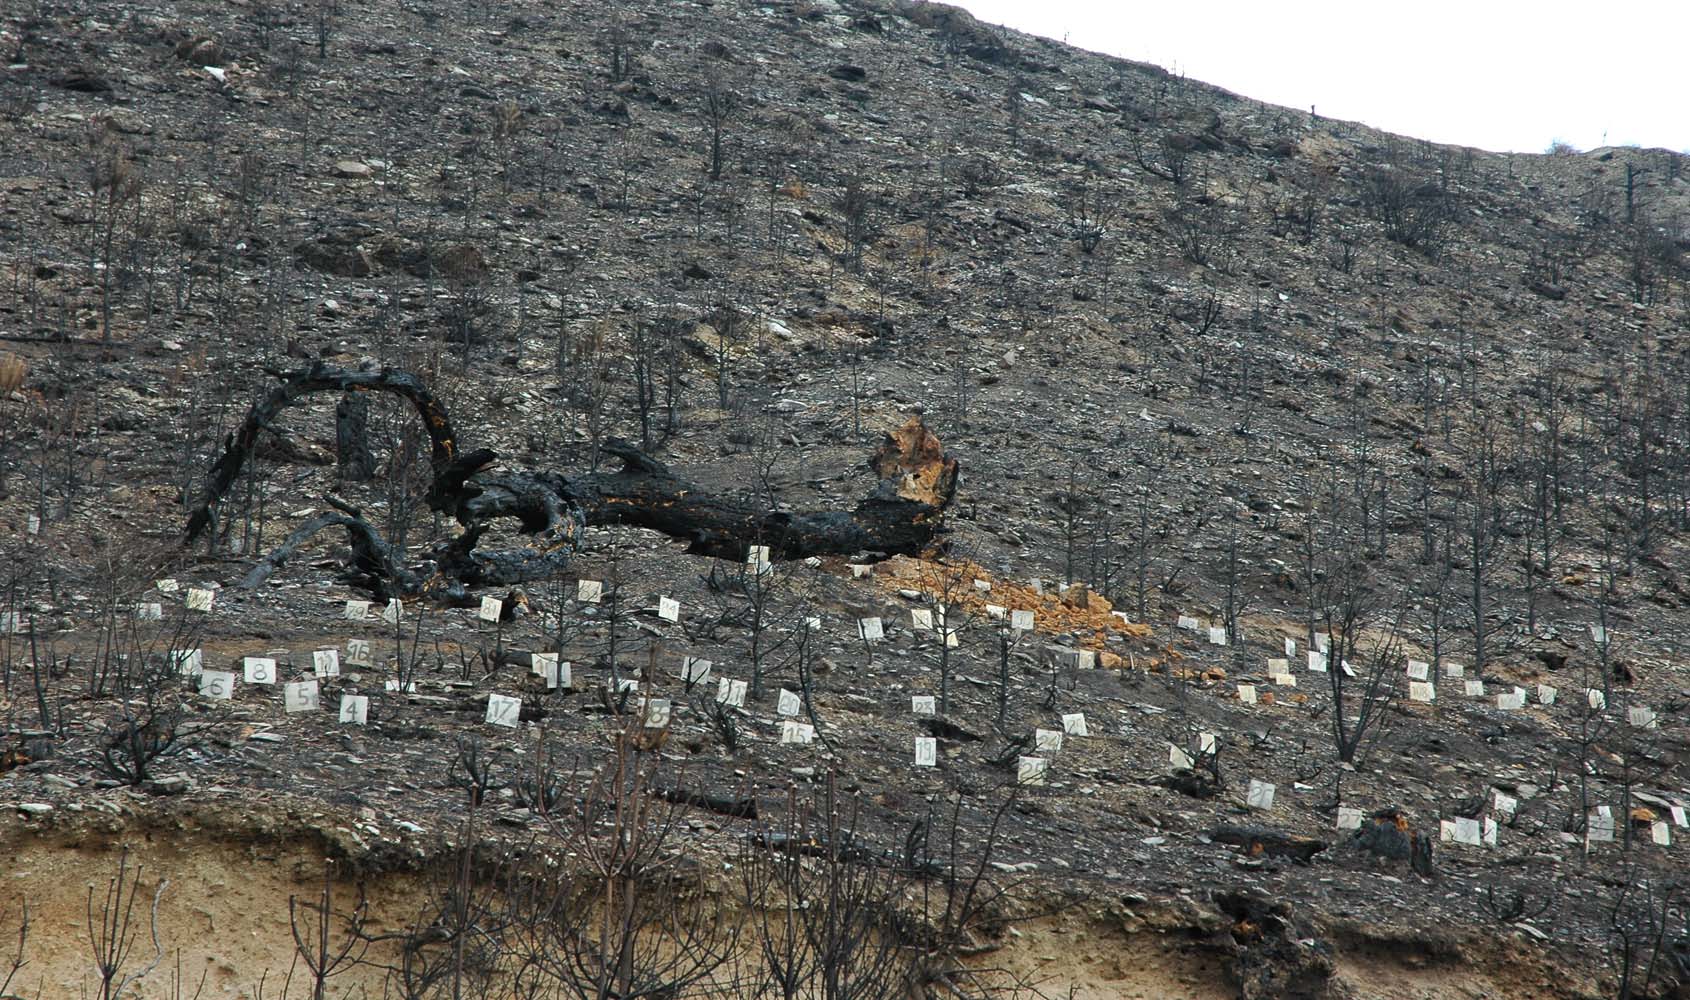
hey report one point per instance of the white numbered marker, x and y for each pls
(325, 662)
(301, 696)
(695, 670)
(669, 609)
(1047, 740)
(1031, 770)
(503, 710)
(922, 619)
(199, 600)
(731, 693)
(869, 629)
(354, 709)
(926, 751)
(358, 653)
(793, 731)
(589, 591)
(655, 713)
(1349, 818)
(357, 611)
(1021, 621)
(394, 612)
(217, 684)
(1075, 724)
(491, 609)
(259, 670)
(789, 703)
(187, 662)
(1260, 795)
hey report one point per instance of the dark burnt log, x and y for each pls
(901, 515)
(724, 805)
(1259, 840)
(238, 447)
(373, 560)
(352, 437)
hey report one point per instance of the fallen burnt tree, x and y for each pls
(901, 515)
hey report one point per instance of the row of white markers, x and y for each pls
(656, 713)
(1420, 688)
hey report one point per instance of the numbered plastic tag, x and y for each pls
(1260, 795)
(669, 609)
(358, 653)
(301, 696)
(357, 611)
(325, 662)
(926, 751)
(187, 662)
(655, 713)
(491, 609)
(354, 709)
(259, 670)
(730, 693)
(199, 600)
(503, 710)
(695, 670)
(1031, 770)
(789, 703)
(218, 684)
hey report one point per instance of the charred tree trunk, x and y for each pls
(352, 438)
(901, 515)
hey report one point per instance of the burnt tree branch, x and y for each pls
(901, 515)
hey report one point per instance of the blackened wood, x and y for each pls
(901, 515)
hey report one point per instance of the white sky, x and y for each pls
(1497, 74)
